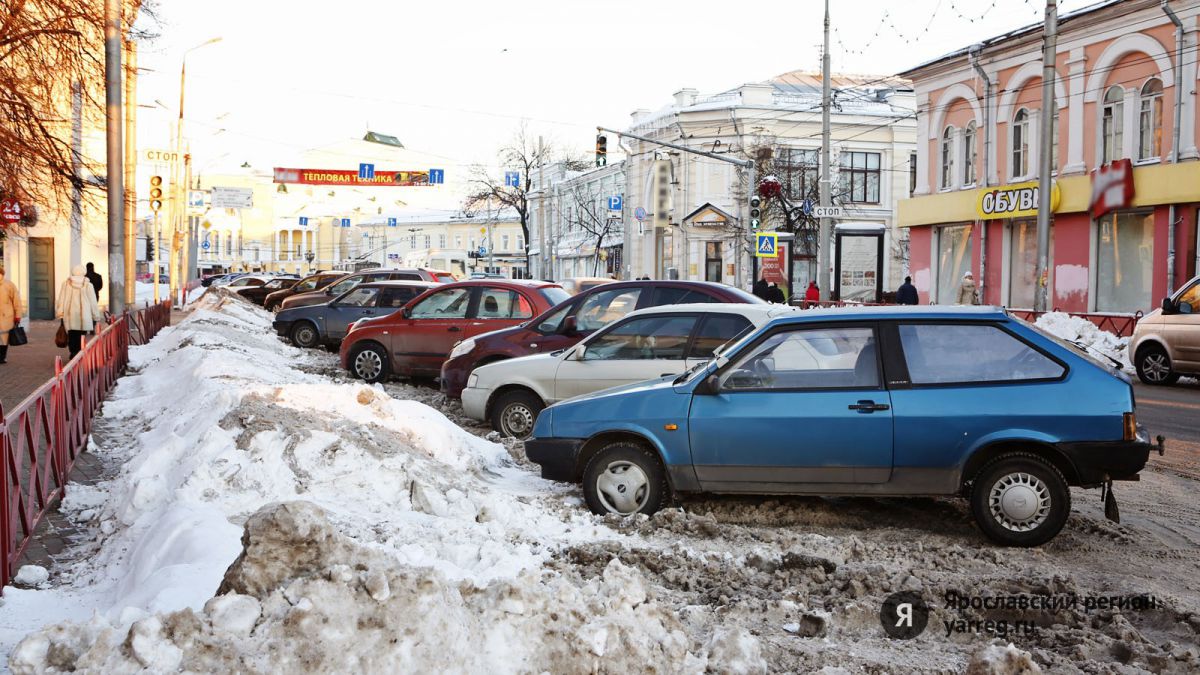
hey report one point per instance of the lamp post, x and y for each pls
(180, 191)
(309, 257)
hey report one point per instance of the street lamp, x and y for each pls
(309, 257)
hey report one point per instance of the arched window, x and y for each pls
(969, 154)
(948, 158)
(1150, 120)
(1112, 118)
(1020, 144)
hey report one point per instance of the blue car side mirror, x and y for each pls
(709, 386)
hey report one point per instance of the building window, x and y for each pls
(1111, 121)
(954, 260)
(858, 179)
(947, 158)
(441, 241)
(229, 245)
(1020, 144)
(458, 241)
(427, 240)
(912, 174)
(521, 242)
(969, 154)
(412, 242)
(1124, 262)
(800, 168)
(504, 242)
(1022, 263)
(1150, 120)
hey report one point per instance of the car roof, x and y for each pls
(393, 283)
(880, 312)
(524, 283)
(759, 314)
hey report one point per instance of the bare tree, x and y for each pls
(523, 155)
(586, 209)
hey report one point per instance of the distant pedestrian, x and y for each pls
(97, 280)
(907, 293)
(78, 308)
(775, 294)
(760, 288)
(813, 293)
(966, 291)
(10, 312)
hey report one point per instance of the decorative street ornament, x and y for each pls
(770, 187)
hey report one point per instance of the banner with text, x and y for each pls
(351, 177)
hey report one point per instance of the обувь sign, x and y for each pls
(1013, 201)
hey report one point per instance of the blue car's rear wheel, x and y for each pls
(625, 478)
(305, 335)
(1020, 499)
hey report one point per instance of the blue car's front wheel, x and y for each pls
(625, 478)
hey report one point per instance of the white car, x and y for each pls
(643, 345)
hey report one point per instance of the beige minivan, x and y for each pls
(1166, 342)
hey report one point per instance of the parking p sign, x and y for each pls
(766, 245)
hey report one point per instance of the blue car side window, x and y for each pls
(964, 353)
(826, 358)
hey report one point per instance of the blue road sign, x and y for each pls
(205, 245)
(303, 221)
(391, 222)
(807, 207)
(512, 178)
(437, 176)
(482, 250)
(345, 222)
(366, 171)
(639, 213)
(614, 203)
(766, 245)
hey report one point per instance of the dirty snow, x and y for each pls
(271, 515)
(1096, 342)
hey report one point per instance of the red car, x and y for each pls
(574, 320)
(415, 340)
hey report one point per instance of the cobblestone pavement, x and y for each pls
(29, 366)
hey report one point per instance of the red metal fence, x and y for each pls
(42, 436)
(1121, 325)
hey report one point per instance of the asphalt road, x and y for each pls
(1172, 411)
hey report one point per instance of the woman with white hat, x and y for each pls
(966, 291)
(78, 308)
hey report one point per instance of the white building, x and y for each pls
(874, 143)
(579, 217)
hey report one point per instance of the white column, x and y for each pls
(993, 155)
(1186, 89)
(924, 168)
(1129, 128)
(1075, 86)
(1035, 142)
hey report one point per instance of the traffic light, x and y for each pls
(755, 211)
(601, 150)
(156, 193)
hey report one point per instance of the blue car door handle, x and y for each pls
(868, 406)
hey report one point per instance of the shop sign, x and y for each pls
(350, 177)
(1014, 201)
(1112, 187)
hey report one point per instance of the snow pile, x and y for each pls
(1098, 343)
(31, 576)
(413, 539)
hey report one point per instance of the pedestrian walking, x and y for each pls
(10, 312)
(760, 288)
(813, 292)
(97, 280)
(907, 293)
(966, 291)
(78, 308)
(775, 294)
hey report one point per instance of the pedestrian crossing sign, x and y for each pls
(766, 244)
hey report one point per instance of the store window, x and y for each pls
(1124, 261)
(1111, 120)
(947, 150)
(859, 177)
(1022, 263)
(1150, 120)
(954, 260)
(1020, 144)
(969, 154)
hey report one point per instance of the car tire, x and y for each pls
(514, 413)
(368, 362)
(1020, 499)
(305, 335)
(1153, 366)
(625, 478)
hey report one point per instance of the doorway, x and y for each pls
(41, 278)
(712, 261)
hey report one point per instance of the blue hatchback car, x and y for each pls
(885, 401)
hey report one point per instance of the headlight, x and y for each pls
(472, 381)
(462, 348)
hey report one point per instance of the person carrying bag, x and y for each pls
(11, 332)
(78, 309)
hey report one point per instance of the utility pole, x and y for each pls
(544, 272)
(826, 170)
(116, 163)
(130, 174)
(1045, 153)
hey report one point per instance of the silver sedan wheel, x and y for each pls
(517, 420)
(306, 336)
(1019, 502)
(367, 364)
(623, 487)
(1155, 367)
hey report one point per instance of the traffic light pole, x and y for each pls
(744, 163)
